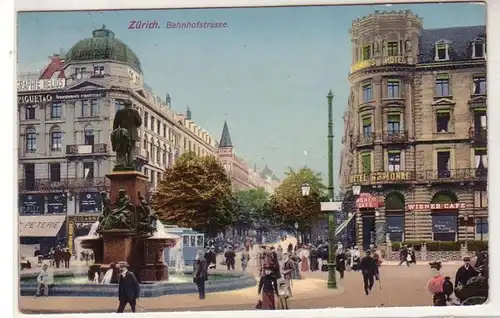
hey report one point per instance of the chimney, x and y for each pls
(188, 113)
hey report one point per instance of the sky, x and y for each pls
(267, 73)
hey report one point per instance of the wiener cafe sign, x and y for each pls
(40, 225)
(436, 206)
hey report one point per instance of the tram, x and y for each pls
(190, 243)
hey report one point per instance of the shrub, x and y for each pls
(437, 246)
(477, 246)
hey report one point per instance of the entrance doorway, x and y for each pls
(369, 233)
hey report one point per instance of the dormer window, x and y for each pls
(442, 53)
(478, 48)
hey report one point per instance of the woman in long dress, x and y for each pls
(296, 260)
(304, 257)
(268, 287)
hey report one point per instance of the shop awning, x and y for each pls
(40, 225)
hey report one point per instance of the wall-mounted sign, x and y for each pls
(383, 176)
(395, 223)
(41, 85)
(40, 226)
(436, 206)
(90, 202)
(32, 204)
(58, 97)
(379, 61)
(56, 203)
(84, 218)
(367, 201)
(71, 235)
(444, 224)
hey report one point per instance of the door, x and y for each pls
(368, 231)
(29, 176)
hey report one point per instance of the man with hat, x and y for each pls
(128, 288)
(465, 272)
(369, 269)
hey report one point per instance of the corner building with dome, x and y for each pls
(415, 131)
(64, 128)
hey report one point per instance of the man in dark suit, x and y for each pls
(128, 288)
(369, 269)
(129, 119)
(200, 274)
(465, 272)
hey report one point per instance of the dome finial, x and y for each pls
(103, 27)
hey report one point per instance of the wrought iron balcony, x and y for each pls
(86, 150)
(470, 174)
(363, 140)
(382, 177)
(478, 135)
(395, 136)
(47, 184)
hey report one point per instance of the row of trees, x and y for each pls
(197, 193)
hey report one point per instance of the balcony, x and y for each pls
(86, 150)
(457, 175)
(382, 177)
(394, 136)
(364, 140)
(478, 136)
(48, 185)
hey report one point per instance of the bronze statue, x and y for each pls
(120, 217)
(124, 136)
(146, 218)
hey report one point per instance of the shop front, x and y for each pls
(395, 216)
(89, 202)
(367, 204)
(47, 231)
(78, 226)
(57, 203)
(31, 204)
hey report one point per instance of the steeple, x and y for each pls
(225, 139)
(188, 113)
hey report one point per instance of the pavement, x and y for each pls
(399, 286)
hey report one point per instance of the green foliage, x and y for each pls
(195, 193)
(291, 206)
(477, 245)
(252, 208)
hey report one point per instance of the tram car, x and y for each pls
(190, 243)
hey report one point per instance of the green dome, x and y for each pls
(103, 46)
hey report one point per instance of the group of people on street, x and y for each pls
(407, 255)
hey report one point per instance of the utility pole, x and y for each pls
(332, 279)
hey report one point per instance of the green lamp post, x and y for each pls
(332, 279)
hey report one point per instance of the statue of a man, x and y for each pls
(124, 136)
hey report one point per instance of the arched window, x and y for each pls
(158, 152)
(88, 136)
(56, 136)
(152, 148)
(145, 142)
(444, 211)
(31, 140)
(165, 155)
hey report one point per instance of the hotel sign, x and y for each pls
(436, 206)
(384, 60)
(41, 85)
(383, 176)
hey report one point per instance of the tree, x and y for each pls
(291, 206)
(252, 208)
(195, 193)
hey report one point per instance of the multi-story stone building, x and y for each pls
(65, 120)
(415, 130)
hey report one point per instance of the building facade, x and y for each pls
(264, 178)
(65, 120)
(415, 137)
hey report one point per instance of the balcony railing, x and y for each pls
(366, 139)
(62, 184)
(469, 174)
(86, 150)
(395, 136)
(479, 136)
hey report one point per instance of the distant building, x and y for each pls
(263, 179)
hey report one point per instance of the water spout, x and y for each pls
(107, 277)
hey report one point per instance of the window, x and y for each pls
(393, 89)
(56, 141)
(85, 107)
(153, 177)
(478, 49)
(94, 110)
(89, 137)
(146, 120)
(31, 140)
(366, 163)
(199, 240)
(119, 105)
(185, 240)
(393, 123)
(151, 149)
(443, 86)
(165, 131)
(158, 127)
(481, 162)
(56, 110)
(88, 170)
(30, 111)
(367, 125)
(146, 172)
(189, 147)
(479, 85)
(98, 70)
(145, 143)
(481, 228)
(164, 154)
(443, 164)
(367, 52)
(394, 160)
(480, 120)
(392, 49)
(367, 92)
(441, 52)
(442, 121)
(158, 152)
(55, 172)
(29, 176)
(480, 199)
(152, 123)
(79, 72)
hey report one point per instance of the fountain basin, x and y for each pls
(77, 285)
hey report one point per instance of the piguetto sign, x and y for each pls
(382, 176)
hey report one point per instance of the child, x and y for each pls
(283, 293)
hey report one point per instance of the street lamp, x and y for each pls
(466, 219)
(305, 189)
(356, 189)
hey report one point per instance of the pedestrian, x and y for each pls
(413, 257)
(245, 258)
(465, 272)
(66, 257)
(274, 262)
(200, 274)
(368, 267)
(268, 287)
(290, 248)
(283, 293)
(128, 288)
(313, 259)
(435, 285)
(296, 271)
(288, 268)
(279, 252)
(403, 256)
(44, 280)
(340, 261)
(304, 259)
(230, 256)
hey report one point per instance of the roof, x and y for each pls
(103, 46)
(460, 39)
(54, 69)
(225, 139)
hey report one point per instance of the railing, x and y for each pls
(364, 139)
(457, 174)
(82, 150)
(395, 136)
(63, 183)
(478, 135)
